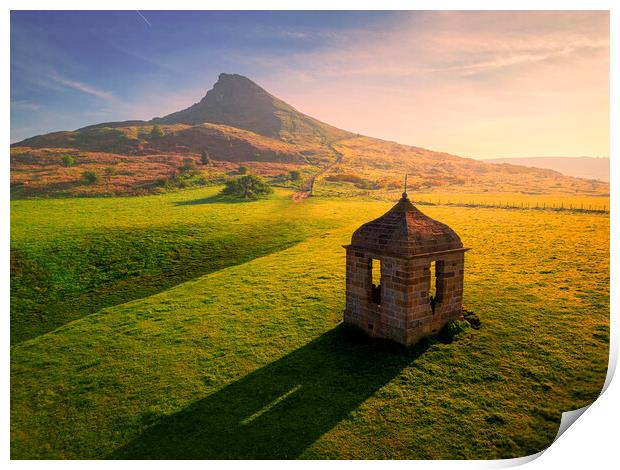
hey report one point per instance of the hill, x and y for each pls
(238, 121)
(239, 102)
(233, 102)
(379, 164)
(596, 168)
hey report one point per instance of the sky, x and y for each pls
(475, 84)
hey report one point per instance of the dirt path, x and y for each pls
(308, 185)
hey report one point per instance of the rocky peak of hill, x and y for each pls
(235, 101)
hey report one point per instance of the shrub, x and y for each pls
(495, 419)
(68, 160)
(346, 178)
(188, 168)
(204, 158)
(295, 175)
(156, 132)
(174, 180)
(451, 331)
(161, 182)
(243, 170)
(110, 171)
(247, 187)
(367, 184)
(90, 177)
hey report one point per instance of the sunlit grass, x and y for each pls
(71, 257)
(566, 202)
(245, 359)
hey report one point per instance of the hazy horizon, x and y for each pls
(499, 157)
(476, 84)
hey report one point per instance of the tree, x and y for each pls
(189, 167)
(204, 158)
(243, 170)
(247, 187)
(90, 177)
(295, 175)
(156, 132)
(68, 160)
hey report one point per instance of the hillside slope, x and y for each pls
(383, 163)
(220, 141)
(234, 101)
(238, 121)
(596, 168)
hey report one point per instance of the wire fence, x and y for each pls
(521, 205)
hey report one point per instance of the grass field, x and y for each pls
(187, 326)
(576, 202)
(71, 257)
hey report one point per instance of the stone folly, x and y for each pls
(404, 275)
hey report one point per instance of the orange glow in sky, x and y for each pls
(477, 84)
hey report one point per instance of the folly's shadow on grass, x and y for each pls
(279, 410)
(215, 199)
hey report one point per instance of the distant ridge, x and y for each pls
(596, 168)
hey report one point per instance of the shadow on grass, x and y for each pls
(215, 199)
(279, 410)
(57, 190)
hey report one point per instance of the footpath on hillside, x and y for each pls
(305, 191)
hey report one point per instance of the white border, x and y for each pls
(591, 442)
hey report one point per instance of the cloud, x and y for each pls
(469, 83)
(24, 105)
(470, 43)
(502, 59)
(83, 87)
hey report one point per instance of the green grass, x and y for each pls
(441, 196)
(250, 360)
(72, 257)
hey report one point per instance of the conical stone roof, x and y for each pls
(404, 231)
